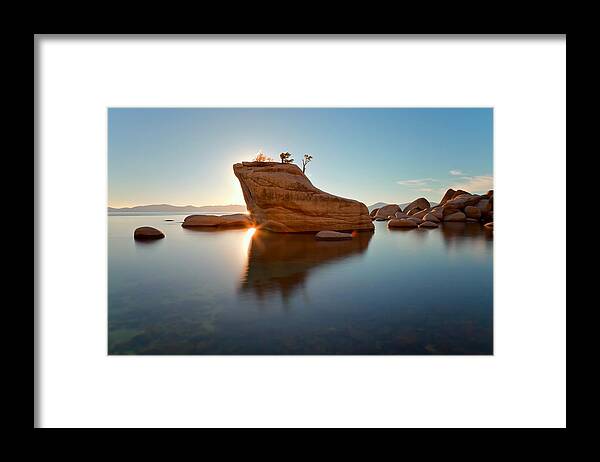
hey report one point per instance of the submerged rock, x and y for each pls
(281, 198)
(237, 220)
(332, 236)
(147, 233)
(402, 223)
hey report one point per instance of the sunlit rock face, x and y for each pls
(281, 198)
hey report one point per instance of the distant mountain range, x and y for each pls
(181, 208)
(378, 205)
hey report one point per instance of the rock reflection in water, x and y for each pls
(457, 234)
(281, 263)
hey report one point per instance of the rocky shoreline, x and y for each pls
(281, 199)
(455, 206)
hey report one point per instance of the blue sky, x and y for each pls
(184, 156)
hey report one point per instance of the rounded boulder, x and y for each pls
(402, 223)
(332, 236)
(147, 233)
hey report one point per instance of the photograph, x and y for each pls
(297, 231)
(300, 230)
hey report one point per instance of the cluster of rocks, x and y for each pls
(455, 206)
(280, 198)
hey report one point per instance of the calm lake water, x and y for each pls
(408, 292)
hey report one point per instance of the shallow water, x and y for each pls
(237, 292)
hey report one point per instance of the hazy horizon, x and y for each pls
(222, 205)
(178, 205)
(184, 156)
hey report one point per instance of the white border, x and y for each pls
(523, 384)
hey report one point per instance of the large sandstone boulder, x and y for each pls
(388, 211)
(374, 212)
(147, 233)
(332, 236)
(237, 220)
(428, 224)
(281, 198)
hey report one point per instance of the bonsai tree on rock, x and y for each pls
(286, 158)
(262, 157)
(307, 158)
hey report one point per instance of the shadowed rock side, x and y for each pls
(281, 198)
(237, 220)
(147, 233)
(278, 263)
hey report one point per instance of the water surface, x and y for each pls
(253, 292)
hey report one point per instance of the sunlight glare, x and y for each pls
(247, 240)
